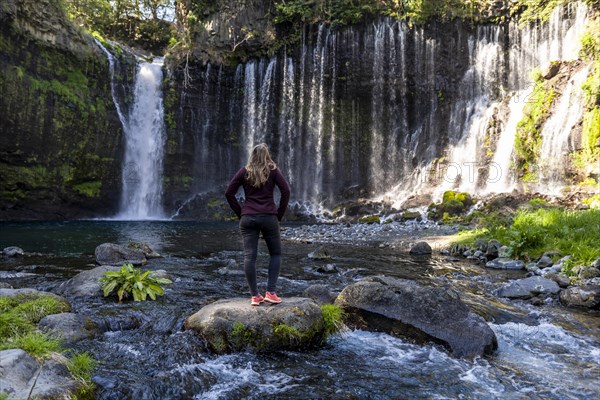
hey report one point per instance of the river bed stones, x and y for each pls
(13, 251)
(528, 287)
(424, 314)
(114, 254)
(235, 325)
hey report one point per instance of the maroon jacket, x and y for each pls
(258, 200)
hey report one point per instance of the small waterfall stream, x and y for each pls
(144, 146)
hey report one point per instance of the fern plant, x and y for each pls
(130, 281)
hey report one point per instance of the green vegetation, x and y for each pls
(141, 23)
(3, 396)
(19, 316)
(333, 318)
(131, 281)
(89, 189)
(241, 335)
(528, 140)
(535, 231)
(287, 333)
(370, 219)
(453, 204)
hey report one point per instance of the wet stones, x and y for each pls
(144, 247)
(319, 293)
(505, 263)
(235, 325)
(420, 248)
(587, 296)
(114, 254)
(86, 283)
(425, 314)
(13, 251)
(528, 288)
(319, 254)
(69, 327)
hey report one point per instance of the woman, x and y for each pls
(259, 214)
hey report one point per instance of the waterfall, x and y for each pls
(556, 132)
(111, 67)
(144, 146)
(384, 110)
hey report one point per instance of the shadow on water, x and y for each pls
(545, 352)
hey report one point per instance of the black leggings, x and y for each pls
(251, 226)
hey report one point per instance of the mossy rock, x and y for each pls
(234, 325)
(453, 204)
(370, 219)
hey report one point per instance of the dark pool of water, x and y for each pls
(545, 352)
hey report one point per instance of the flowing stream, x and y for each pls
(545, 352)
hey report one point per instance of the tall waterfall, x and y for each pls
(144, 146)
(381, 110)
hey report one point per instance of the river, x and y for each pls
(545, 352)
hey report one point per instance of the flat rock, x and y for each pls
(19, 371)
(114, 254)
(581, 296)
(86, 283)
(425, 314)
(505, 263)
(528, 287)
(69, 327)
(234, 325)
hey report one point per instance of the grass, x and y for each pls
(333, 317)
(19, 316)
(535, 231)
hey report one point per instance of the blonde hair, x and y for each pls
(260, 164)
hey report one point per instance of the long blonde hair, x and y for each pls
(259, 165)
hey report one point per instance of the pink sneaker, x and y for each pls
(272, 298)
(256, 300)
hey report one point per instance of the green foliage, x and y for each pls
(37, 344)
(241, 335)
(333, 318)
(131, 281)
(36, 309)
(12, 325)
(89, 189)
(3, 396)
(287, 333)
(370, 219)
(528, 139)
(534, 232)
(453, 204)
(592, 202)
(536, 10)
(81, 366)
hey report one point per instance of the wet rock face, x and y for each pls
(235, 325)
(424, 314)
(69, 327)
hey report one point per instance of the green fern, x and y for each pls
(130, 281)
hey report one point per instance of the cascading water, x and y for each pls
(556, 132)
(144, 146)
(382, 110)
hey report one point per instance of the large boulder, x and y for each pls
(319, 293)
(114, 254)
(420, 248)
(19, 372)
(528, 288)
(581, 296)
(233, 325)
(69, 327)
(86, 283)
(425, 314)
